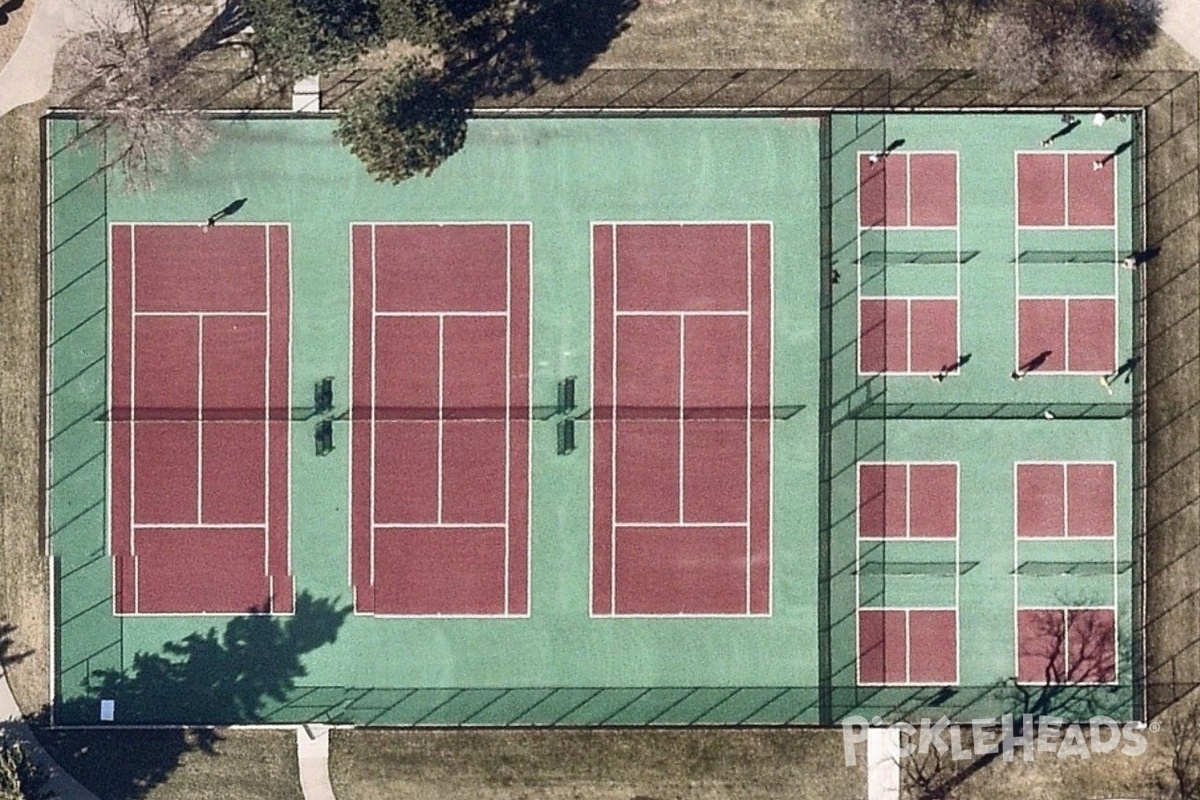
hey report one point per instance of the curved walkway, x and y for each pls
(1181, 21)
(27, 75)
(14, 728)
(312, 749)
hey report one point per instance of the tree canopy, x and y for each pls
(405, 123)
(412, 114)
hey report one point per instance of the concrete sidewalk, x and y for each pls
(14, 729)
(27, 75)
(312, 750)
(1181, 21)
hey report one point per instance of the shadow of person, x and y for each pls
(1037, 361)
(233, 207)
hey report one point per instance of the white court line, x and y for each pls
(442, 314)
(528, 499)
(436, 525)
(133, 403)
(1066, 227)
(374, 397)
(714, 313)
(957, 573)
(681, 524)
(200, 425)
(508, 302)
(203, 314)
(682, 406)
(591, 421)
(287, 516)
(908, 190)
(197, 525)
(749, 401)
(907, 500)
(266, 416)
(771, 425)
(612, 532)
(1066, 167)
(441, 421)
(350, 449)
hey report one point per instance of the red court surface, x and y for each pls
(900, 335)
(915, 501)
(1078, 333)
(199, 436)
(907, 646)
(681, 419)
(1075, 499)
(908, 190)
(1056, 190)
(1066, 646)
(440, 419)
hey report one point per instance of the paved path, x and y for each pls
(312, 749)
(883, 764)
(13, 728)
(1181, 21)
(26, 77)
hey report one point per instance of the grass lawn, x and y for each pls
(181, 764)
(776, 34)
(1102, 775)
(23, 570)
(592, 765)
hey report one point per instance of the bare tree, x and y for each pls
(1077, 653)
(1080, 61)
(1183, 730)
(900, 34)
(932, 773)
(129, 76)
(1012, 54)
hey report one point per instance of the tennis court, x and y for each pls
(441, 435)
(681, 461)
(199, 476)
(820, 416)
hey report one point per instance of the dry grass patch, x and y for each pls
(23, 569)
(180, 764)
(722, 764)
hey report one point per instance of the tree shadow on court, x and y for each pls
(1068, 685)
(235, 674)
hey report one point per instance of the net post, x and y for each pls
(566, 394)
(323, 437)
(323, 396)
(566, 436)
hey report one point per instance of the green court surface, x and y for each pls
(800, 662)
